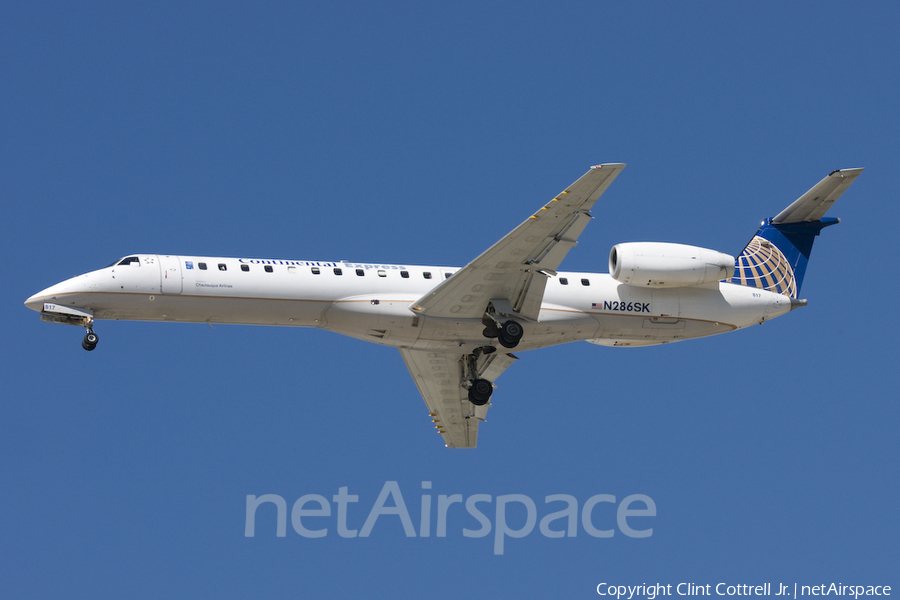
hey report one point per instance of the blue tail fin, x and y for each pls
(776, 257)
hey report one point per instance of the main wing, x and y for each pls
(516, 268)
(440, 377)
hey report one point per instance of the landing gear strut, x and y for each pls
(90, 338)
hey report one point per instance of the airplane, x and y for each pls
(455, 328)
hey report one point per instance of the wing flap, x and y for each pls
(491, 366)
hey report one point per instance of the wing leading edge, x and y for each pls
(516, 268)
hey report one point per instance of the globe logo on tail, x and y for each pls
(763, 265)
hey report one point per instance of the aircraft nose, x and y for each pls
(36, 302)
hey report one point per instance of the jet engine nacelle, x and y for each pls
(658, 264)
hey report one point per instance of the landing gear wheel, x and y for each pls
(491, 331)
(480, 392)
(510, 334)
(90, 341)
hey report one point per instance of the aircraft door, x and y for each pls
(170, 274)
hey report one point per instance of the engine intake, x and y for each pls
(659, 264)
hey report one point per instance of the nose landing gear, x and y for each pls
(90, 338)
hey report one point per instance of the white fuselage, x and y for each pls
(373, 302)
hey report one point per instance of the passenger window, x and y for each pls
(404, 274)
(360, 272)
(585, 282)
(222, 267)
(563, 281)
(315, 270)
(292, 270)
(427, 274)
(268, 268)
(201, 266)
(245, 268)
(338, 272)
(382, 273)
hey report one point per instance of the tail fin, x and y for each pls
(776, 257)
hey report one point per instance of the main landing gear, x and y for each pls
(497, 323)
(508, 333)
(480, 392)
(90, 338)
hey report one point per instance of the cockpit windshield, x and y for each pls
(126, 261)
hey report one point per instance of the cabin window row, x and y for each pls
(317, 271)
(360, 272)
(379, 272)
(246, 268)
(202, 266)
(223, 267)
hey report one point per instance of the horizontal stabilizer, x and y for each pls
(813, 205)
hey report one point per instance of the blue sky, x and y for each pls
(420, 133)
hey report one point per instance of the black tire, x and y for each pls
(480, 392)
(90, 341)
(510, 334)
